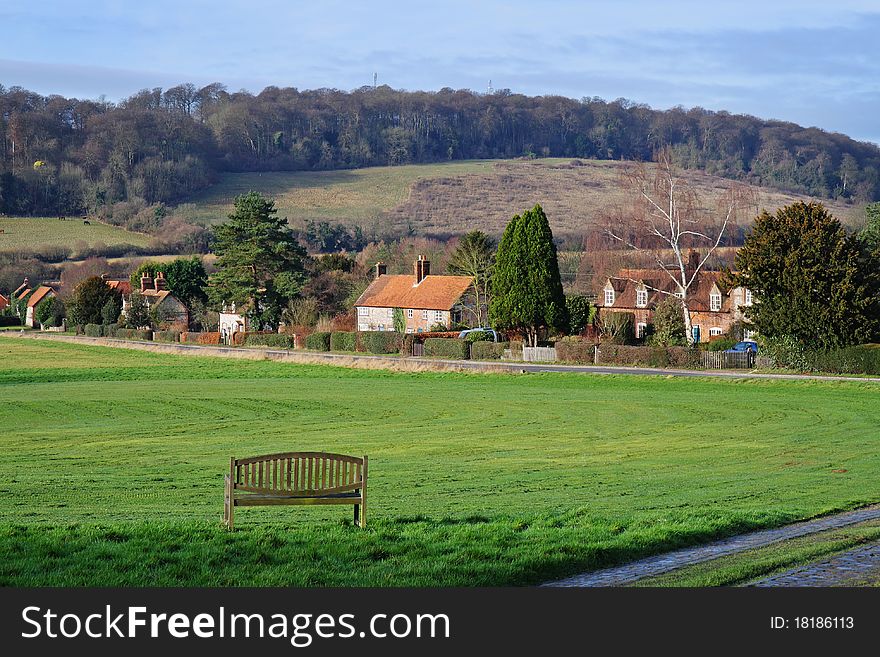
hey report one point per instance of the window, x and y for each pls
(409, 313)
(438, 315)
(425, 314)
(641, 327)
(363, 312)
(409, 330)
(714, 302)
(609, 297)
(748, 297)
(715, 331)
(641, 298)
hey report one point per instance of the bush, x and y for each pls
(318, 341)
(488, 350)
(859, 359)
(343, 341)
(379, 342)
(788, 353)
(618, 327)
(166, 336)
(454, 348)
(722, 344)
(478, 336)
(276, 340)
(10, 320)
(648, 356)
(134, 334)
(93, 330)
(110, 330)
(239, 338)
(575, 351)
(195, 337)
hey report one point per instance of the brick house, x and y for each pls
(4, 302)
(155, 292)
(425, 299)
(714, 309)
(42, 292)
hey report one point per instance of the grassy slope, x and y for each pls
(457, 196)
(115, 462)
(34, 232)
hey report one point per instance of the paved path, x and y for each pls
(662, 563)
(846, 569)
(380, 362)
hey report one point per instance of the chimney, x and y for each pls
(146, 282)
(381, 269)
(693, 261)
(421, 268)
(161, 283)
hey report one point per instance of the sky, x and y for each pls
(814, 63)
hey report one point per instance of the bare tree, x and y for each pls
(669, 223)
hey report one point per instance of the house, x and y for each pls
(155, 292)
(232, 321)
(4, 302)
(120, 286)
(713, 308)
(38, 295)
(425, 299)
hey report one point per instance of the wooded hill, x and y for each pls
(72, 156)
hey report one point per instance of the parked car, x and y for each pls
(743, 347)
(491, 332)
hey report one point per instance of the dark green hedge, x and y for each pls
(379, 342)
(488, 350)
(276, 340)
(571, 351)
(134, 334)
(343, 341)
(9, 320)
(318, 342)
(860, 359)
(614, 354)
(447, 348)
(166, 336)
(93, 330)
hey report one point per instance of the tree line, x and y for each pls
(66, 156)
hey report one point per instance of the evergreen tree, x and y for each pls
(260, 264)
(88, 301)
(527, 289)
(809, 279)
(137, 315)
(669, 328)
(186, 277)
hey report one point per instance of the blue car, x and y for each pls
(743, 347)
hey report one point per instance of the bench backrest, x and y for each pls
(305, 473)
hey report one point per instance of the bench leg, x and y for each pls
(357, 514)
(228, 505)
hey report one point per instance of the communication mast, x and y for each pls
(375, 79)
(489, 89)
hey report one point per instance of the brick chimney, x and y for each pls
(421, 268)
(693, 261)
(161, 283)
(381, 269)
(146, 282)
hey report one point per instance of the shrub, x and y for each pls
(669, 329)
(788, 353)
(859, 359)
(276, 340)
(238, 339)
(93, 330)
(318, 341)
(648, 356)
(10, 320)
(192, 337)
(343, 341)
(379, 342)
(488, 350)
(722, 344)
(110, 330)
(447, 348)
(134, 334)
(516, 347)
(166, 336)
(195, 337)
(618, 328)
(478, 336)
(575, 351)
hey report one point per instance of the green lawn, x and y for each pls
(36, 232)
(114, 462)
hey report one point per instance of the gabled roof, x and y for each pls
(123, 287)
(660, 285)
(4, 302)
(400, 291)
(21, 290)
(39, 294)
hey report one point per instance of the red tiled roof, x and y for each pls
(659, 286)
(39, 294)
(123, 287)
(4, 302)
(400, 291)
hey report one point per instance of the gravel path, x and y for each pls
(662, 563)
(846, 569)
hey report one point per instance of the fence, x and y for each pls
(539, 354)
(722, 360)
(418, 348)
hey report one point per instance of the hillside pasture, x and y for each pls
(114, 460)
(35, 233)
(452, 198)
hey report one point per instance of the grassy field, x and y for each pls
(451, 198)
(114, 462)
(36, 232)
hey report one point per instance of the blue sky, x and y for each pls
(815, 63)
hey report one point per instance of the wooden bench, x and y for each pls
(296, 478)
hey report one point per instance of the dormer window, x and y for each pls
(609, 296)
(641, 298)
(715, 302)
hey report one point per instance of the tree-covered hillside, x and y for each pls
(61, 155)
